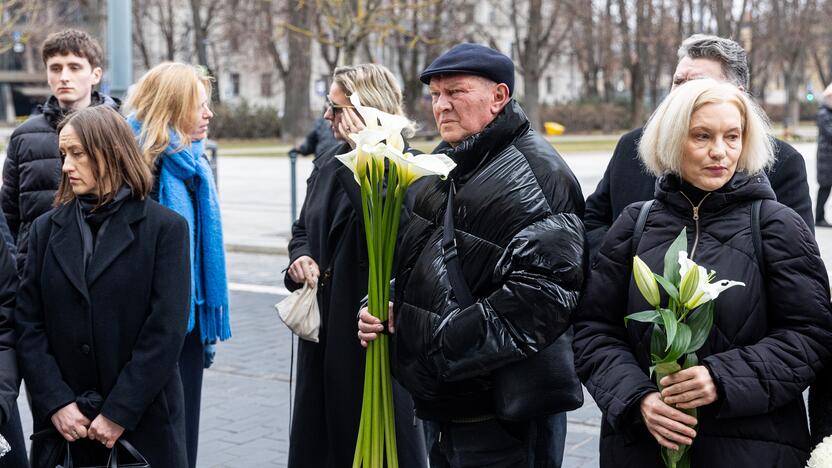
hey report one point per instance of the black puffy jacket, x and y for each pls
(769, 339)
(521, 244)
(32, 171)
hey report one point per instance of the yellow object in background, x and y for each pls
(554, 128)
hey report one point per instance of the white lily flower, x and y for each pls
(382, 123)
(706, 290)
(412, 167)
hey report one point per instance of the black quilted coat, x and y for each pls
(518, 223)
(32, 170)
(769, 340)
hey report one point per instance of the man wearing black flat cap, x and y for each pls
(502, 284)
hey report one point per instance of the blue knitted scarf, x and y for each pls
(209, 284)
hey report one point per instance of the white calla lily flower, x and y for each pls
(706, 290)
(412, 167)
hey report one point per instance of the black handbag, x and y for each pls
(112, 462)
(543, 384)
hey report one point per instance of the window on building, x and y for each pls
(235, 84)
(549, 87)
(266, 85)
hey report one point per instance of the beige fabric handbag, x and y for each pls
(299, 311)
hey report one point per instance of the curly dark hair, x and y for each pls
(73, 41)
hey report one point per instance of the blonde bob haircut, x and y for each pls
(166, 97)
(662, 145)
(375, 85)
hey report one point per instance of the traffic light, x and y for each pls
(810, 96)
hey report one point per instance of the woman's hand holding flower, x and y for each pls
(669, 426)
(689, 388)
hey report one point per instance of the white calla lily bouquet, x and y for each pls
(681, 327)
(384, 171)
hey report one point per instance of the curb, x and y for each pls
(257, 249)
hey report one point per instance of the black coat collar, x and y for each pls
(678, 194)
(66, 244)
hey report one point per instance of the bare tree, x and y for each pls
(586, 46)
(203, 13)
(789, 22)
(541, 43)
(633, 48)
(295, 66)
(418, 38)
(12, 14)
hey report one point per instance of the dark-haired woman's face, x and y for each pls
(199, 126)
(77, 164)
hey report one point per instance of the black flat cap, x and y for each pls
(473, 59)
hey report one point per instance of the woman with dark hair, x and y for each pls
(102, 307)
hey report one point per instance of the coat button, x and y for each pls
(85, 349)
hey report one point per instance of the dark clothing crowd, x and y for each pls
(510, 292)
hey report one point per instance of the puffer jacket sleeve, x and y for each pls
(541, 274)
(9, 194)
(604, 359)
(773, 372)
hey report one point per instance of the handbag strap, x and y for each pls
(638, 230)
(450, 254)
(68, 457)
(113, 461)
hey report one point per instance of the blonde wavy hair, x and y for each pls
(661, 148)
(375, 85)
(166, 97)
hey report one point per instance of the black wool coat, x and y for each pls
(330, 376)
(116, 329)
(769, 340)
(626, 181)
(9, 380)
(517, 219)
(824, 160)
(32, 169)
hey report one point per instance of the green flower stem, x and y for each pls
(376, 444)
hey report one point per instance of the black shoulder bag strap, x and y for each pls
(638, 229)
(450, 254)
(757, 235)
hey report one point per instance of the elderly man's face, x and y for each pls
(463, 105)
(695, 68)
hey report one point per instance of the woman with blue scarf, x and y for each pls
(169, 114)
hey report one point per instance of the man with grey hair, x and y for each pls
(626, 181)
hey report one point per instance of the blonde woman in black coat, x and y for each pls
(708, 143)
(102, 307)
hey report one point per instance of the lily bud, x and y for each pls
(646, 282)
(689, 284)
